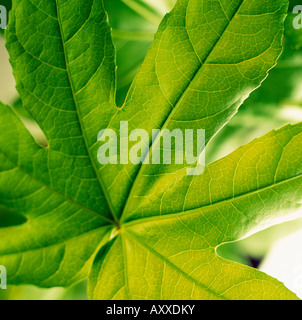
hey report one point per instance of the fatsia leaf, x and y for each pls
(133, 26)
(209, 72)
(141, 231)
(270, 105)
(132, 35)
(174, 256)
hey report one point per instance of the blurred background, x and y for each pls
(277, 250)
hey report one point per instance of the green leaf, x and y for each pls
(141, 231)
(133, 24)
(174, 256)
(271, 105)
(133, 29)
